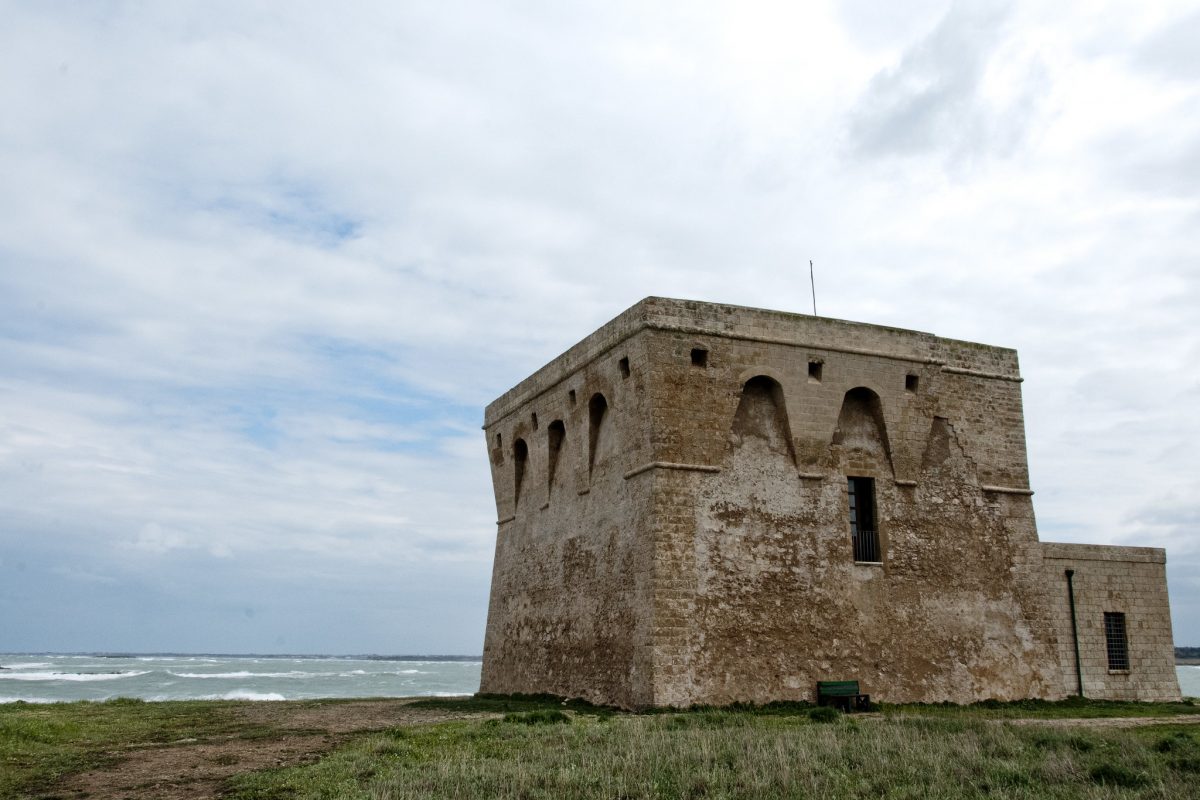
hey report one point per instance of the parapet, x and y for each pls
(697, 318)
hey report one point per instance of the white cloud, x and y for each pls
(261, 267)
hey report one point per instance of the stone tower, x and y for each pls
(703, 503)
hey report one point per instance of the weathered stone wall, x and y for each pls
(694, 545)
(573, 574)
(765, 595)
(1130, 580)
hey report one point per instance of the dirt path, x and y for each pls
(193, 769)
(1107, 722)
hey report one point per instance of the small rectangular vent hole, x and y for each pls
(814, 370)
(533, 421)
(699, 357)
(911, 382)
(571, 397)
(624, 365)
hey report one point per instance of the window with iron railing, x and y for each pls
(1116, 641)
(863, 531)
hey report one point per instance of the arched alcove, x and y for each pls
(556, 434)
(861, 430)
(520, 458)
(597, 416)
(762, 416)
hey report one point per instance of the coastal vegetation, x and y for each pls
(545, 748)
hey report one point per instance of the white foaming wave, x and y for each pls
(70, 676)
(40, 700)
(31, 665)
(446, 694)
(245, 694)
(243, 674)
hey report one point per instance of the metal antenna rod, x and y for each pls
(812, 282)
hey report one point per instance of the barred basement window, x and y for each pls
(1114, 638)
(862, 519)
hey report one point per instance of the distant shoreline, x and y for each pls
(1187, 662)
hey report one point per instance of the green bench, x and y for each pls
(842, 694)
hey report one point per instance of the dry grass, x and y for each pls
(745, 755)
(547, 748)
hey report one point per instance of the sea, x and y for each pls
(42, 678)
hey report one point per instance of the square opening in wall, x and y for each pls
(699, 357)
(814, 370)
(911, 382)
(571, 397)
(624, 366)
(533, 421)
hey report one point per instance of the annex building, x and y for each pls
(703, 503)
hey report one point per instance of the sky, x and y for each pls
(262, 264)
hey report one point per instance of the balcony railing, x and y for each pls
(866, 546)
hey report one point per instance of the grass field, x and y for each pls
(544, 749)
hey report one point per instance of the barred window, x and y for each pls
(861, 493)
(1114, 638)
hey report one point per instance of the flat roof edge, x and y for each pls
(703, 318)
(571, 360)
(1071, 551)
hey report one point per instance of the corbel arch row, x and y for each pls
(599, 412)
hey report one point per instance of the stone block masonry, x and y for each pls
(1130, 581)
(702, 503)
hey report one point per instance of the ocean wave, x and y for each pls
(244, 694)
(39, 701)
(70, 676)
(32, 665)
(244, 674)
